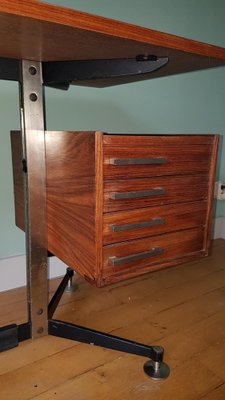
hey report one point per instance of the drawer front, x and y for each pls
(140, 253)
(149, 156)
(136, 193)
(134, 224)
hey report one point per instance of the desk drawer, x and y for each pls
(138, 223)
(149, 251)
(136, 193)
(149, 156)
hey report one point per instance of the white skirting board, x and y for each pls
(219, 228)
(13, 269)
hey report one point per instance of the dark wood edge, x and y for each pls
(83, 21)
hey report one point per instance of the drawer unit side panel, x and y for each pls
(71, 198)
(212, 175)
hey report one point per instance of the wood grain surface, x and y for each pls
(82, 206)
(177, 189)
(39, 31)
(71, 199)
(183, 216)
(180, 308)
(173, 245)
(180, 154)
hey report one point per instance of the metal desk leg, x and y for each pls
(33, 166)
(33, 125)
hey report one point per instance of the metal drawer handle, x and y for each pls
(137, 225)
(136, 195)
(135, 257)
(138, 161)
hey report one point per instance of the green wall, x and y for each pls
(188, 103)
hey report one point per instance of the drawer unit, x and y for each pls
(122, 205)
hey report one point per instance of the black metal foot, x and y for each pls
(157, 370)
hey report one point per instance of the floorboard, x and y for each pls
(181, 308)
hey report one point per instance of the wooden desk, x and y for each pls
(33, 34)
(35, 31)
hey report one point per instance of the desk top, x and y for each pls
(39, 31)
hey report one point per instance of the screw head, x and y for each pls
(32, 70)
(40, 330)
(33, 97)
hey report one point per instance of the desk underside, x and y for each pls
(37, 31)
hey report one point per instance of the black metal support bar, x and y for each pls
(10, 69)
(59, 292)
(154, 367)
(86, 335)
(11, 335)
(99, 73)
(95, 73)
(24, 331)
(8, 337)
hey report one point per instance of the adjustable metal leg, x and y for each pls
(33, 165)
(158, 370)
(71, 285)
(155, 367)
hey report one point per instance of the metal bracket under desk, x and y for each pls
(40, 321)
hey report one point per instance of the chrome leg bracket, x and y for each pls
(33, 133)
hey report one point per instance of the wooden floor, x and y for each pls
(181, 308)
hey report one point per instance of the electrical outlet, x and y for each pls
(219, 192)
